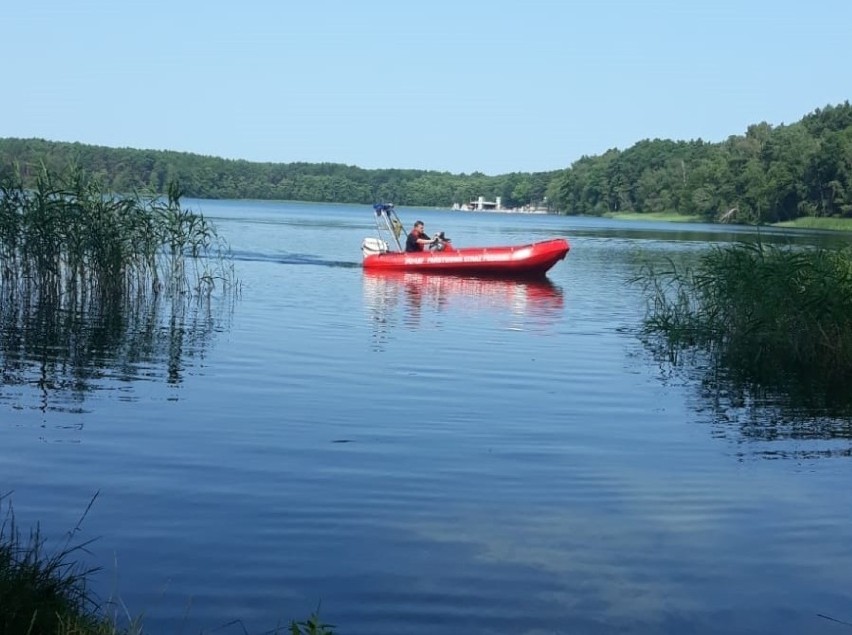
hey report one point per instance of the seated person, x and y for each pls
(417, 238)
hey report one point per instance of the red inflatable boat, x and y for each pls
(533, 259)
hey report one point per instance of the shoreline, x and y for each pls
(803, 222)
(671, 217)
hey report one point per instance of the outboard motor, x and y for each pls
(373, 247)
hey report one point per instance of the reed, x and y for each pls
(45, 592)
(313, 625)
(769, 314)
(67, 235)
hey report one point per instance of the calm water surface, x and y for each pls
(423, 453)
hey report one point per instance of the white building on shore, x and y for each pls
(480, 205)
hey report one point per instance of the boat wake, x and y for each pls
(294, 259)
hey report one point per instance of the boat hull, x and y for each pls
(534, 259)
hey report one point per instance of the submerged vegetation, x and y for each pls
(771, 317)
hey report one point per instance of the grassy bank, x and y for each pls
(656, 216)
(772, 316)
(813, 222)
(804, 222)
(46, 591)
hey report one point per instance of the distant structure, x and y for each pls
(480, 205)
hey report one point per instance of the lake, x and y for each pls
(416, 454)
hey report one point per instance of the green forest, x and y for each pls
(769, 174)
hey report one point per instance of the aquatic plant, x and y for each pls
(311, 626)
(67, 235)
(776, 316)
(45, 592)
(95, 285)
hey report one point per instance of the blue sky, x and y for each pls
(457, 86)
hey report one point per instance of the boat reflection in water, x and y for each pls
(409, 298)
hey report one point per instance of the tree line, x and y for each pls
(769, 174)
(127, 170)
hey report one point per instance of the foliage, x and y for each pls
(765, 176)
(129, 170)
(773, 316)
(654, 216)
(769, 174)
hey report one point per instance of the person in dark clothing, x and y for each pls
(417, 238)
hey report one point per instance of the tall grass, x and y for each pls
(44, 592)
(775, 316)
(87, 279)
(67, 236)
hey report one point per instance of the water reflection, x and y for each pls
(405, 297)
(54, 350)
(793, 418)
